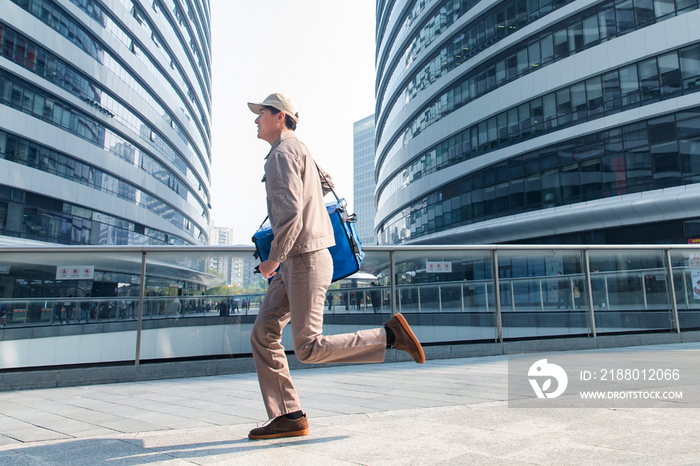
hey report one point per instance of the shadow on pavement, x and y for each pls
(133, 452)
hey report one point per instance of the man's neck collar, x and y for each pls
(284, 135)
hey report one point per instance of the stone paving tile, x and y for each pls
(89, 452)
(115, 409)
(409, 395)
(16, 459)
(315, 412)
(7, 441)
(366, 447)
(65, 425)
(474, 459)
(161, 396)
(139, 404)
(253, 414)
(229, 399)
(399, 404)
(290, 457)
(167, 421)
(340, 390)
(91, 404)
(35, 434)
(340, 408)
(221, 419)
(212, 404)
(82, 415)
(9, 423)
(666, 459)
(230, 446)
(17, 411)
(129, 425)
(451, 412)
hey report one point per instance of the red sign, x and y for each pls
(75, 273)
(438, 267)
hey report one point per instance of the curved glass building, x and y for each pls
(537, 121)
(105, 110)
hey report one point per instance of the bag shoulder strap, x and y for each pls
(340, 202)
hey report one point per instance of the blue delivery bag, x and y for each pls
(347, 253)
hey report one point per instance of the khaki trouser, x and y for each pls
(298, 293)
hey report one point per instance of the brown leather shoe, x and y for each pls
(281, 427)
(404, 339)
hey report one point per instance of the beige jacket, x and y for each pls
(295, 205)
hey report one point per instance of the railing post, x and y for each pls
(486, 295)
(607, 296)
(418, 295)
(572, 295)
(589, 292)
(674, 306)
(142, 291)
(392, 258)
(497, 295)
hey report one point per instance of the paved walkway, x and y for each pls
(447, 412)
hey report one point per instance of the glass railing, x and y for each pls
(448, 293)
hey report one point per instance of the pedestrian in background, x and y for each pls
(85, 310)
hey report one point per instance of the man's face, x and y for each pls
(267, 125)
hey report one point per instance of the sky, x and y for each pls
(318, 52)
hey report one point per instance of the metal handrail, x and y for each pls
(395, 248)
(393, 286)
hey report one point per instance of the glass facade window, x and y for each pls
(406, 23)
(580, 102)
(173, 84)
(564, 38)
(84, 40)
(363, 175)
(652, 154)
(189, 38)
(45, 106)
(93, 9)
(27, 153)
(481, 33)
(64, 75)
(41, 218)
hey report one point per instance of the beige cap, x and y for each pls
(279, 101)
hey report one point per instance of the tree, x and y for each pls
(257, 287)
(220, 290)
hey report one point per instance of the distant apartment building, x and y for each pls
(222, 265)
(237, 268)
(221, 236)
(237, 271)
(363, 176)
(248, 275)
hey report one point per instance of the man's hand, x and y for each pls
(268, 268)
